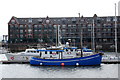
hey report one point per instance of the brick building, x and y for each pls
(32, 31)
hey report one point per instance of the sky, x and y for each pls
(53, 8)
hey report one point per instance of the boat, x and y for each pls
(23, 56)
(65, 57)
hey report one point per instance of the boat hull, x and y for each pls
(83, 61)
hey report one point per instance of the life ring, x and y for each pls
(53, 53)
(12, 57)
(69, 53)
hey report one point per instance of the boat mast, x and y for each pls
(57, 35)
(115, 31)
(93, 39)
(80, 36)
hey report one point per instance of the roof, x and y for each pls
(53, 20)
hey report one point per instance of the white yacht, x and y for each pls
(23, 56)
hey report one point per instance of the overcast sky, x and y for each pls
(53, 8)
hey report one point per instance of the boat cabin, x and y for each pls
(58, 54)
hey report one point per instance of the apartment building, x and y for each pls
(33, 31)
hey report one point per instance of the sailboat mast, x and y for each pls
(57, 35)
(80, 36)
(93, 37)
(115, 31)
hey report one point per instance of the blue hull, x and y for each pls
(83, 61)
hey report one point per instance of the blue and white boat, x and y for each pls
(65, 57)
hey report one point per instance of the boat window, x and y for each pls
(71, 49)
(34, 51)
(66, 49)
(57, 52)
(28, 51)
(31, 51)
(37, 51)
(45, 52)
(50, 52)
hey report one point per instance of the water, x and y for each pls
(28, 71)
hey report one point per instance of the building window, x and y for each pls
(98, 30)
(13, 21)
(30, 20)
(89, 29)
(104, 30)
(29, 35)
(109, 30)
(108, 19)
(35, 26)
(55, 26)
(74, 26)
(98, 25)
(114, 19)
(21, 26)
(69, 25)
(29, 30)
(89, 25)
(21, 36)
(47, 21)
(21, 31)
(63, 26)
(105, 40)
(11, 26)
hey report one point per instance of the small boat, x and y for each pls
(65, 57)
(23, 56)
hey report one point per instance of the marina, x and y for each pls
(60, 39)
(25, 70)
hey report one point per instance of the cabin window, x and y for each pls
(37, 51)
(31, 51)
(57, 52)
(45, 52)
(28, 51)
(50, 52)
(66, 49)
(71, 49)
(34, 51)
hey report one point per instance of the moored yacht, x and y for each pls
(64, 57)
(23, 56)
